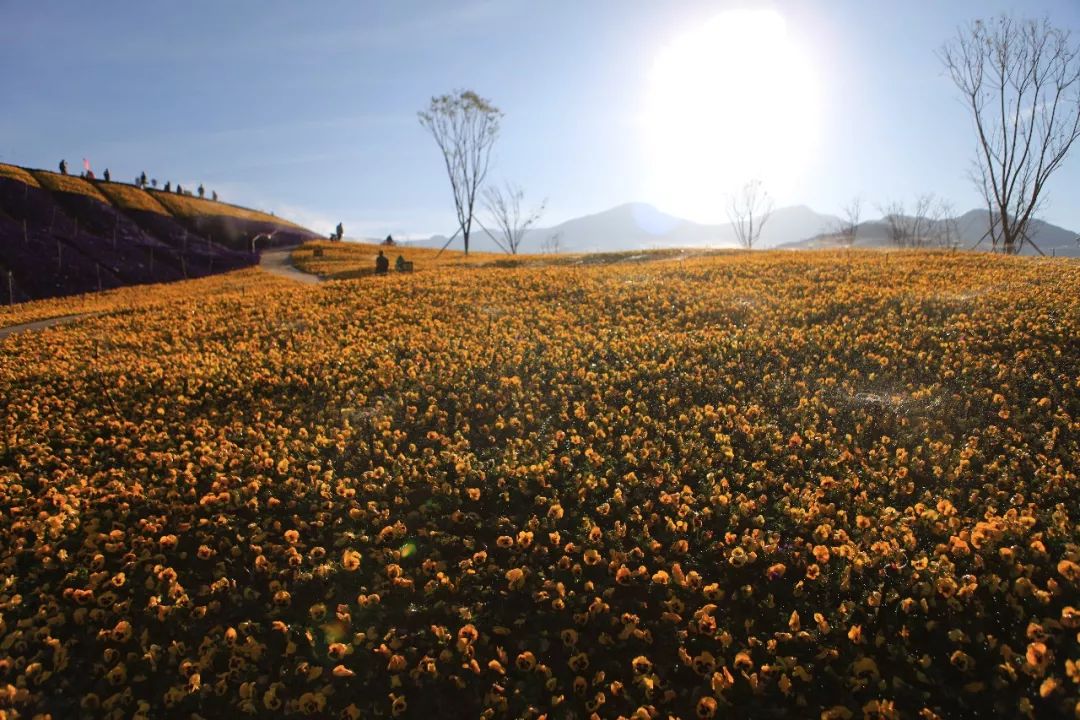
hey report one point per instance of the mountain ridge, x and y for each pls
(642, 226)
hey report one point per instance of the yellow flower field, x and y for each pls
(139, 297)
(347, 260)
(754, 485)
(350, 260)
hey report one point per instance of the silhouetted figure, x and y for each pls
(389, 241)
(399, 264)
(340, 231)
(63, 167)
(168, 186)
(89, 174)
(179, 190)
(142, 179)
(382, 264)
(107, 175)
(202, 190)
(214, 195)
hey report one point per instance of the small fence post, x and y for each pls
(10, 288)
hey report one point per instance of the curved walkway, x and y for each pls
(42, 324)
(279, 262)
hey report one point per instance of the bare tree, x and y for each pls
(504, 205)
(748, 212)
(553, 243)
(1020, 79)
(943, 226)
(921, 220)
(909, 230)
(895, 224)
(465, 127)
(849, 222)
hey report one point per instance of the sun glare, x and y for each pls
(730, 101)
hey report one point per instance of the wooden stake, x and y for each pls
(10, 288)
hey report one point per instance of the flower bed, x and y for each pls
(777, 485)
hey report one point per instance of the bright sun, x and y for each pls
(731, 101)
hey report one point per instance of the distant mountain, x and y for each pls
(640, 226)
(1051, 239)
(971, 227)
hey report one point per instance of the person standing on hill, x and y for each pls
(63, 167)
(382, 264)
(107, 175)
(340, 231)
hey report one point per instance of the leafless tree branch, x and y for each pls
(748, 211)
(504, 206)
(465, 127)
(1020, 79)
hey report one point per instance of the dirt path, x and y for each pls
(279, 262)
(42, 324)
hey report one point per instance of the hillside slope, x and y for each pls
(62, 235)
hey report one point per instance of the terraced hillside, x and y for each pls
(63, 235)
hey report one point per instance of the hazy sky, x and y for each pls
(309, 109)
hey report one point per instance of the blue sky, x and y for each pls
(309, 109)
